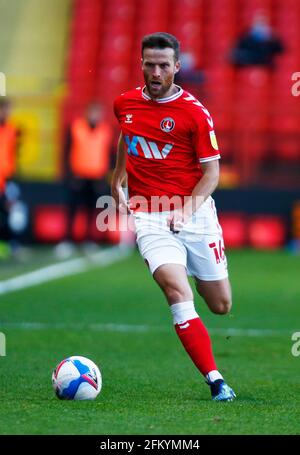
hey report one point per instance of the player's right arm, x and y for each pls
(119, 176)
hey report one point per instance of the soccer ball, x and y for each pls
(76, 378)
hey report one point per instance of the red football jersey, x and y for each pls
(166, 142)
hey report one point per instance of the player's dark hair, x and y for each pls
(161, 40)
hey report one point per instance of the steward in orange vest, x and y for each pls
(88, 146)
(8, 145)
(87, 163)
(8, 150)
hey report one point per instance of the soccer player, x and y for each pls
(169, 154)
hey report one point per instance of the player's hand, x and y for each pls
(176, 220)
(118, 194)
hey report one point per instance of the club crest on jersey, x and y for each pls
(167, 124)
(128, 118)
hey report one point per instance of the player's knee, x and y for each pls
(175, 295)
(222, 306)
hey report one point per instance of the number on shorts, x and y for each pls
(218, 251)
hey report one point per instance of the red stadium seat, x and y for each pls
(49, 223)
(118, 229)
(80, 226)
(267, 232)
(87, 22)
(286, 147)
(234, 229)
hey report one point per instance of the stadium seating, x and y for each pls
(255, 115)
(50, 226)
(84, 44)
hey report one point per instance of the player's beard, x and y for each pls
(159, 91)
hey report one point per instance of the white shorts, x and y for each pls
(199, 247)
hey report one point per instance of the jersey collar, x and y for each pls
(163, 100)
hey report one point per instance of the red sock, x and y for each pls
(196, 341)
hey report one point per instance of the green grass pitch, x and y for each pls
(117, 316)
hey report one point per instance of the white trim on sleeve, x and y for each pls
(210, 158)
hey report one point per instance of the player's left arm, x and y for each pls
(204, 188)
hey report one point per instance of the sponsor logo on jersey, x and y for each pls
(167, 124)
(128, 118)
(149, 149)
(213, 140)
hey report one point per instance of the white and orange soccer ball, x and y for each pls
(77, 378)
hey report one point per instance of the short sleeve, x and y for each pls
(204, 138)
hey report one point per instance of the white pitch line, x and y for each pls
(127, 328)
(63, 269)
(104, 327)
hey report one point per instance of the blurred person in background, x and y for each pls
(13, 212)
(8, 142)
(259, 45)
(86, 164)
(189, 73)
